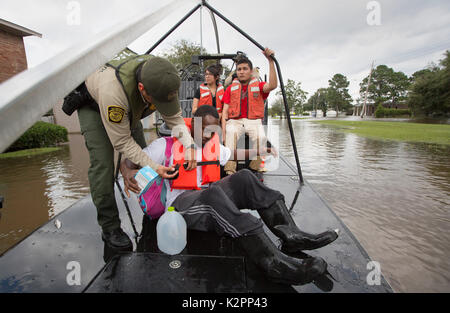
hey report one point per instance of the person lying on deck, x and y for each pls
(216, 205)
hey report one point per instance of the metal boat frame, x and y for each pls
(48, 258)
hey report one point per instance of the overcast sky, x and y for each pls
(313, 40)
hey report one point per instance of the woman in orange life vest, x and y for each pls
(218, 208)
(210, 92)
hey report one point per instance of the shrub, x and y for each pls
(379, 112)
(385, 112)
(40, 135)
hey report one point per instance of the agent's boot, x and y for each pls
(280, 222)
(116, 238)
(279, 267)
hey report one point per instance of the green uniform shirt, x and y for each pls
(115, 112)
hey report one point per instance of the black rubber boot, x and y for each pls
(116, 238)
(279, 267)
(280, 222)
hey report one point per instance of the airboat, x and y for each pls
(67, 253)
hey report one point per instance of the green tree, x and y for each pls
(420, 73)
(430, 92)
(338, 96)
(310, 105)
(319, 101)
(386, 86)
(277, 108)
(398, 88)
(181, 52)
(322, 100)
(295, 96)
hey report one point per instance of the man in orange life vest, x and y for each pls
(217, 206)
(243, 107)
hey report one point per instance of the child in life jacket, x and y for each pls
(209, 203)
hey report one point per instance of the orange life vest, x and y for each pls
(188, 122)
(210, 173)
(255, 100)
(206, 97)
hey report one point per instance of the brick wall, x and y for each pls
(12, 55)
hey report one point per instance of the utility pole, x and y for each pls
(364, 109)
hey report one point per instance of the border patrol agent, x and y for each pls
(127, 89)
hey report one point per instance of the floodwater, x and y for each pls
(36, 188)
(394, 196)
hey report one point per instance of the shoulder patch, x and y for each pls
(115, 113)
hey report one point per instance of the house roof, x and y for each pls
(17, 29)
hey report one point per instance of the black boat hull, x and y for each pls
(44, 261)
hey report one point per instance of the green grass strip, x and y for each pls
(27, 152)
(399, 131)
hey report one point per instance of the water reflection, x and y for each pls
(394, 197)
(36, 188)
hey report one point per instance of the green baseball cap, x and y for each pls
(162, 82)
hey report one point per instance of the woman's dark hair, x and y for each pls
(215, 69)
(204, 110)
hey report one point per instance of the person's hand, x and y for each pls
(190, 157)
(224, 133)
(268, 52)
(129, 181)
(224, 127)
(162, 171)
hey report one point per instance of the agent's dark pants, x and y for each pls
(217, 208)
(101, 169)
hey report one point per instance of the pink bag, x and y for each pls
(153, 198)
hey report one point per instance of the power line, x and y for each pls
(413, 54)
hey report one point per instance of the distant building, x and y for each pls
(370, 109)
(398, 105)
(13, 59)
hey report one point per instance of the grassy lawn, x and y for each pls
(411, 132)
(27, 152)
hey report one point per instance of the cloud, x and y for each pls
(313, 40)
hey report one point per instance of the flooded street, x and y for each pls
(394, 197)
(36, 188)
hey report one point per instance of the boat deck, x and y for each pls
(41, 262)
